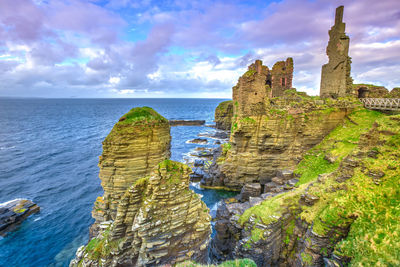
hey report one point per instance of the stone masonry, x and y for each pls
(335, 76)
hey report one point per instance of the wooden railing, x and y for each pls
(381, 103)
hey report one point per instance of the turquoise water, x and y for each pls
(49, 152)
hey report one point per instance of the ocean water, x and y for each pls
(49, 152)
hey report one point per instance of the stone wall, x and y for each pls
(282, 76)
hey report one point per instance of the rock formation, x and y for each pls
(271, 134)
(309, 225)
(137, 143)
(159, 221)
(13, 213)
(335, 76)
(223, 115)
(147, 216)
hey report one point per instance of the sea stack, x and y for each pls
(148, 216)
(335, 76)
(137, 143)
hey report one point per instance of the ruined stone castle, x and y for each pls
(259, 83)
(335, 75)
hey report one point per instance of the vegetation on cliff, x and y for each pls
(327, 155)
(348, 193)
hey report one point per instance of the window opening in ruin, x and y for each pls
(283, 81)
(362, 92)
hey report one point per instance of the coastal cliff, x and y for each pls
(148, 215)
(137, 143)
(342, 209)
(270, 134)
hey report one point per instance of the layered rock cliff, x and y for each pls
(148, 216)
(159, 221)
(137, 143)
(343, 209)
(223, 115)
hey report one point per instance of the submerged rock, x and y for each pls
(14, 212)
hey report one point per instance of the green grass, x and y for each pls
(250, 73)
(338, 143)
(232, 263)
(174, 171)
(371, 210)
(223, 107)
(142, 115)
(271, 209)
(226, 147)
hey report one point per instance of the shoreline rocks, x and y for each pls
(14, 212)
(186, 122)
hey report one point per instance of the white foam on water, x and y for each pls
(37, 219)
(8, 202)
(196, 185)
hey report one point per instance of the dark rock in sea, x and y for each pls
(216, 135)
(203, 154)
(198, 141)
(187, 122)
(14, 212)
(198, 163)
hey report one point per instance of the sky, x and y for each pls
(184, 48)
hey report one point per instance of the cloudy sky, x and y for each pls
(183, 48)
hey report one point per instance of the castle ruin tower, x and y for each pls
(335, 76)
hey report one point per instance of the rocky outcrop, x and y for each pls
(187, 122)
(137, 143)
(275, 138)
(223, 115)
(335, 75)
(159, 221)
(14, 212)
(309, 225)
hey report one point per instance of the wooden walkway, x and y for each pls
(381, 103)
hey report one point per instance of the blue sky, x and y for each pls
(176, 48)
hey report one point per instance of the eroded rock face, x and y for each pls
(335, 76)
(223, 115)
(263, 145)
(291, 228)
(159, 221)
(137, 143)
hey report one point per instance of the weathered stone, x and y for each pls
(250, 190)
(335, 76)
(137, 143)
(159, 221)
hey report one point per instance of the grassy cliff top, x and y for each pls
(141, 115)
(367, 203)
(224, 106)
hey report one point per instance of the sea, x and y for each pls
(49, 150)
